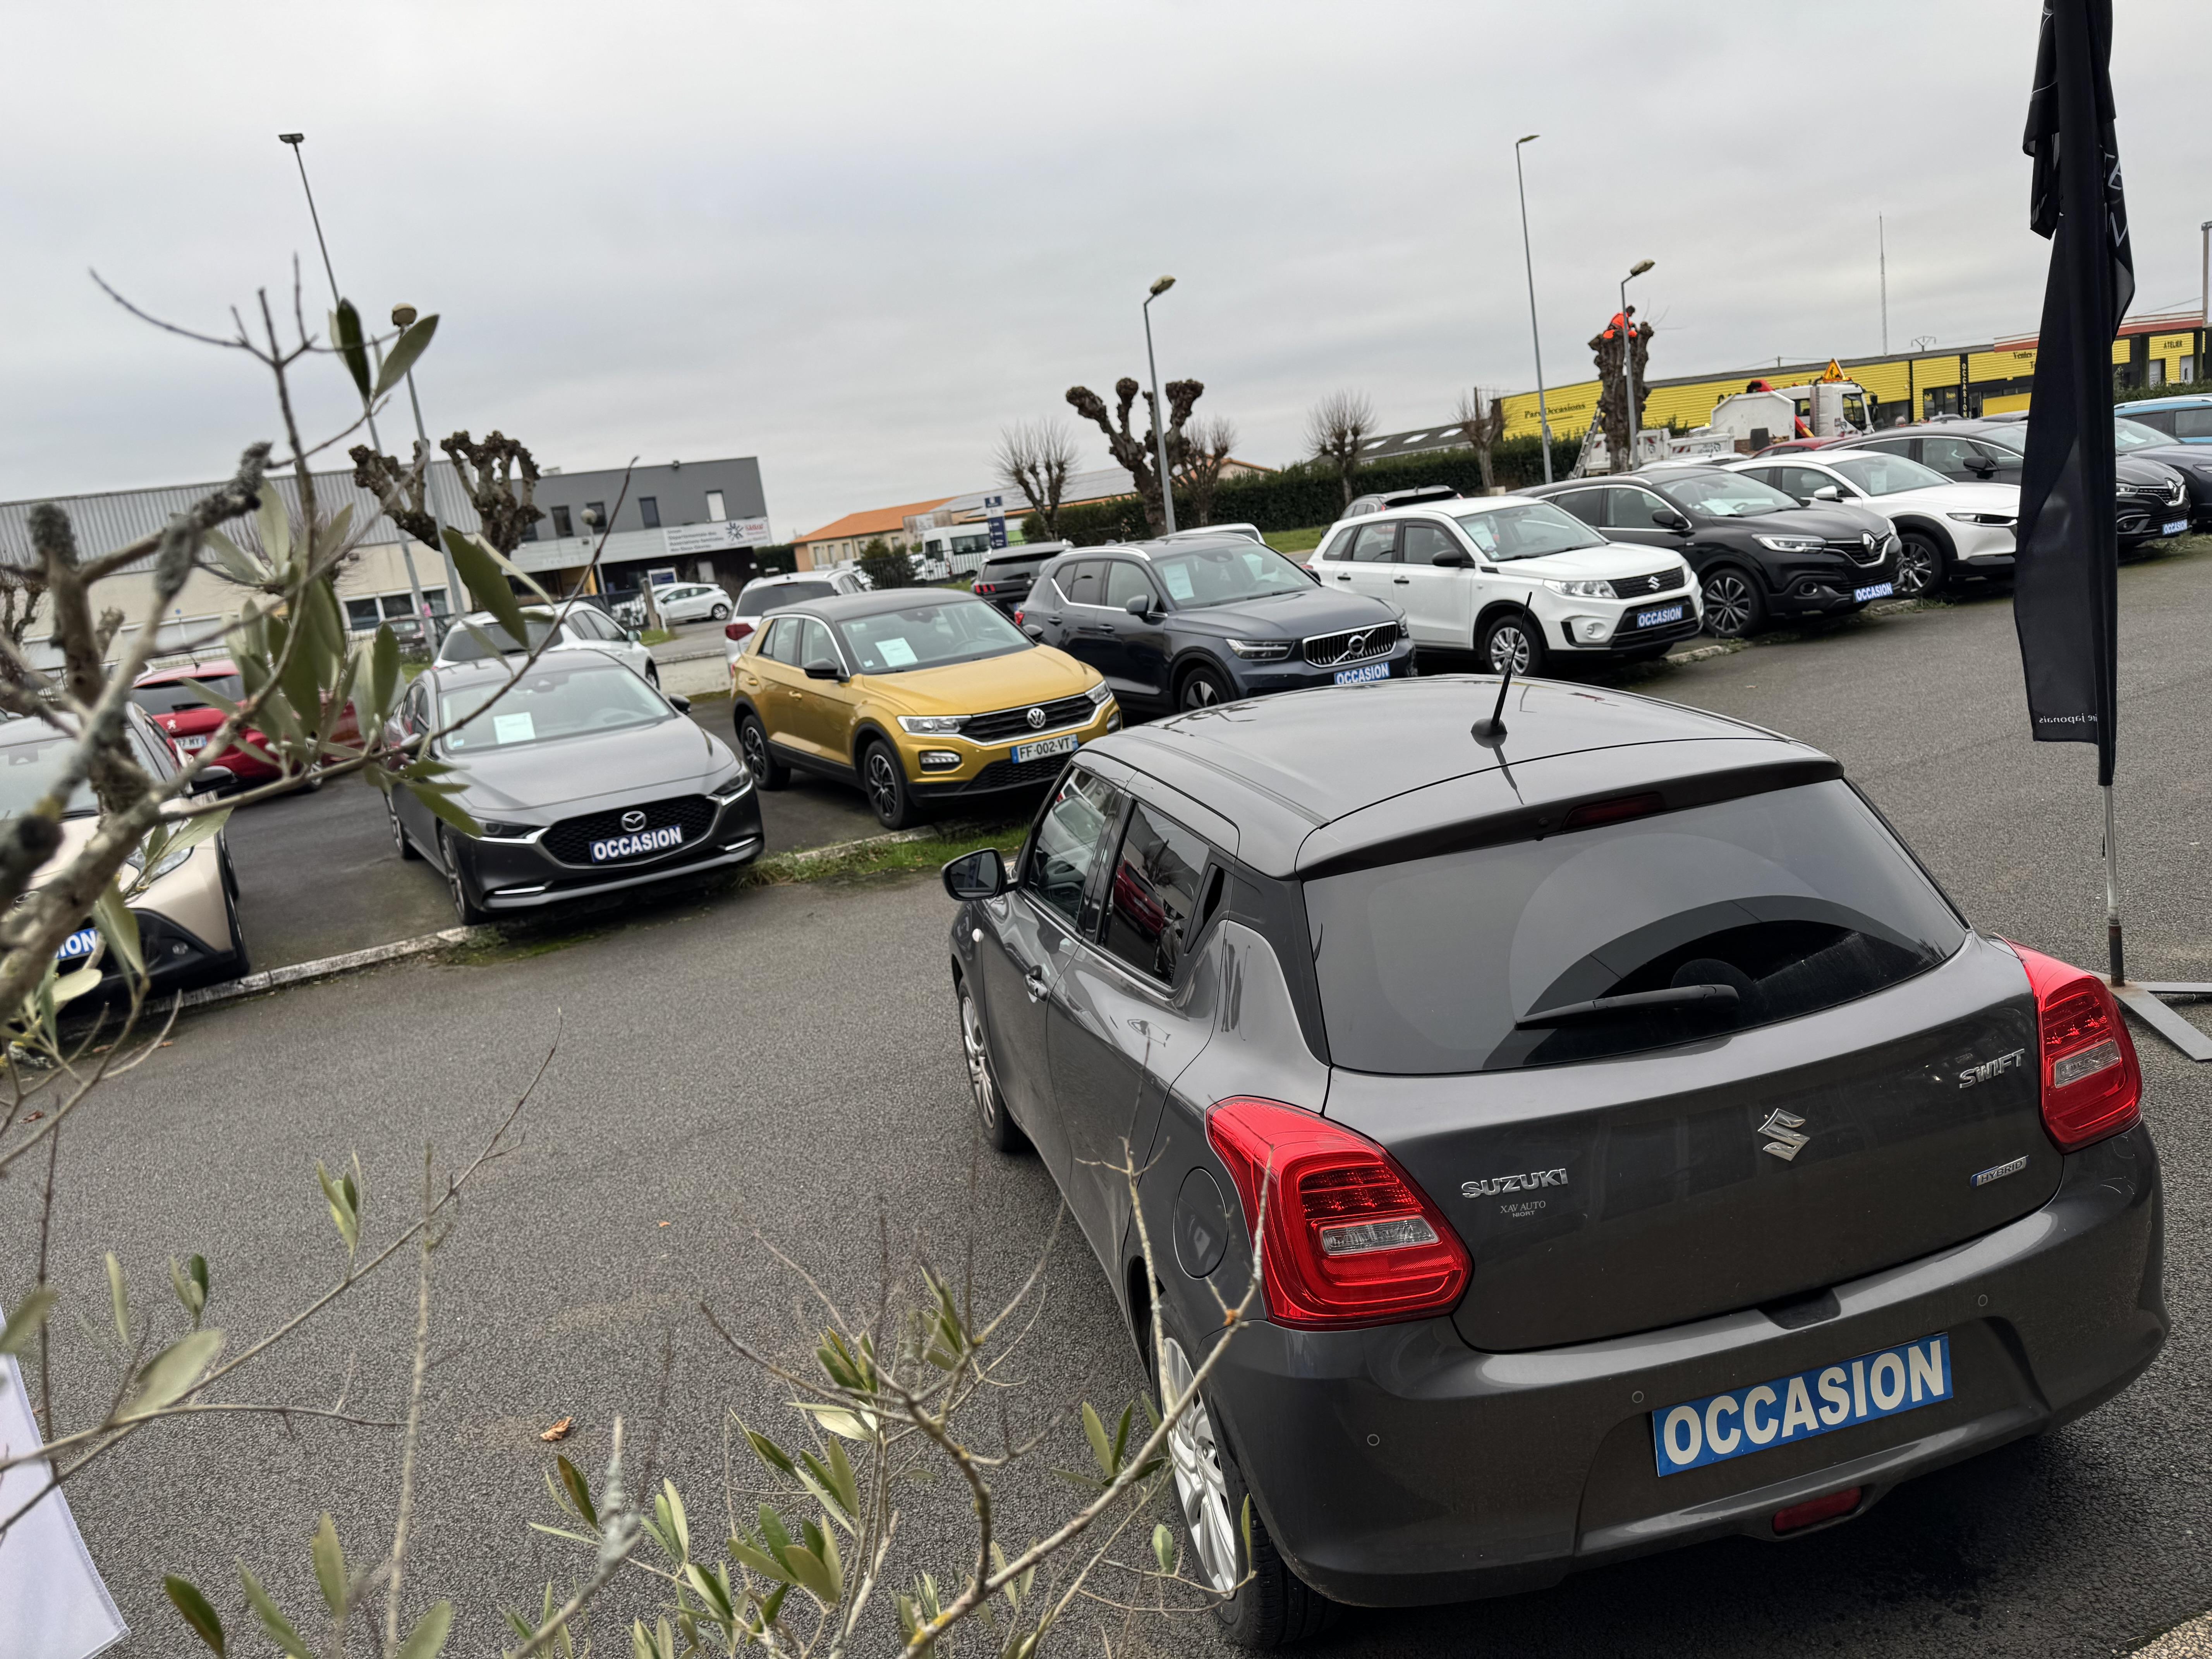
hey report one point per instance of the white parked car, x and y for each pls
(1514, 581)
(684, 602)
(574, 626)
(1945, 528)
(765, 594)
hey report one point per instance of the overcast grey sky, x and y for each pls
(857, 240)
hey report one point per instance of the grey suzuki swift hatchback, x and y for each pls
(1649, 1150)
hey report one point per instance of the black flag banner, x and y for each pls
(2065, 597)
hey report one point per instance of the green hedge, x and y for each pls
(2141, 394)
(1306, 495)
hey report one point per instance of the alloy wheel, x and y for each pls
(399, 835)
(1915, 569)
(1509, 644)
(451, 860)
(1200, 1485)
(883, 784)
(754, 742)
(1199, 692)
(1728, 604)
(979, 1063)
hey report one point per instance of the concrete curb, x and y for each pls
(838, 848)
(345, 962)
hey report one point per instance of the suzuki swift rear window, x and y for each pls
(1677, 927)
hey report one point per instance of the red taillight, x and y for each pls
(1621, 807)
(1350, 1239)
(986, 587)
(736, 630)
(2091, 1082)
(1798, 1516)
(1019, 615)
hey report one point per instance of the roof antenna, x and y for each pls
(1490, 730)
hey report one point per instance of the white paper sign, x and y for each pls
(52, 1602)
(897, 653)
(513, 728)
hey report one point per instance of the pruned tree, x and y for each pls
(1140, 456)
(1337, 430)
(1207, 449)
(402, 491)
(1615, 421)
(499, 476)
(1037, 459)
(1482, 419)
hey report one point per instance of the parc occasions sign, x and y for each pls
(719, 537)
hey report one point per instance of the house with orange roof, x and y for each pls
(843, 538)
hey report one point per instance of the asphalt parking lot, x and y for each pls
(786, 1059)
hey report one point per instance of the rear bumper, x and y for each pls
(1397, 1467)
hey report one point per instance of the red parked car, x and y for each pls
(170, 696)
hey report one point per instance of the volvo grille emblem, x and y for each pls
(1782, 1139)
(633, 821)
(1355, 645)
(1036, 719)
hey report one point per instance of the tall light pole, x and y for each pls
(403, 316)
(1159, 411)
(1881, 241)
(1535, 340)
(293, 141)
(2204, 307)
(1628, 358)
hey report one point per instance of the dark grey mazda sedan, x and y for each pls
(584, 779)
(1649, 1150)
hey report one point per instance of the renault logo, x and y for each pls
(633, 821)
(1782, 1139)
(1865, 540)
(1037, 720)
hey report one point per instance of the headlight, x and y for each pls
(931, 725)
(734, 785)
(1101, 693)
(1584, 590)
(167, 863)
(1980, 518)
(1793, 543)
(1260, 650)
(494, 830)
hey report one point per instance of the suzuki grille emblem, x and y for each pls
(1036, 719)
(633, 821)
(1782, 1139)
(1652, 583)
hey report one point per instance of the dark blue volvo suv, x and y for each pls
(1190, 622)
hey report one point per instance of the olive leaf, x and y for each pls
(173, 1372)
(405, 350)
(196, 1613)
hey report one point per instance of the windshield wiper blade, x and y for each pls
(1675, 996)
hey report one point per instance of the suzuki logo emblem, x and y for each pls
(1652, 583)
(1037, 720)
(633, 821)
(1781, 1128)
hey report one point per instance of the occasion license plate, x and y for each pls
(644, 842)
(1879, 591)
(78, 943)
(1363, 674)
(1665, 613)
(1793, 1408)
(1044, 747)
(2173, 527)
(192, 745)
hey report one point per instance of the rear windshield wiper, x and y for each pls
(1675, 996)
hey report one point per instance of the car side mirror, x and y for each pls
(822, 668)
(1452, 559)
(633, 636)
(1033, 630)
(681, 705)
(211, 780)
(1674, 521)
(1138, 605)
(980, 875)
(1827, 493)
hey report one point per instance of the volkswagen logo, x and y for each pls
(1037, 720)
(633, 821)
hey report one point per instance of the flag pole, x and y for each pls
(2113, 894)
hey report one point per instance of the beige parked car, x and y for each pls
(187, 911)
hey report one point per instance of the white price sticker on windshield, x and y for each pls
(1178, 577)
(513, 728)
(897, 654)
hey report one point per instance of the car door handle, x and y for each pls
(1343, 576)
(1034, 982)
(1399, 581)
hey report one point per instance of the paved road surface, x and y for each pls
(786, 1059)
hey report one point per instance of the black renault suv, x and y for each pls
(1641, 1148)
(1188, 622)
(1757, 554)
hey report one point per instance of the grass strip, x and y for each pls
(875, 857)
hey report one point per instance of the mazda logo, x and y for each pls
(633, 821)
(1037, 720)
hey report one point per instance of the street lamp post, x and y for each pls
(293, 141)
(1535, 340)
(1628, 359)
(1159, 410)
(2204, 307)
